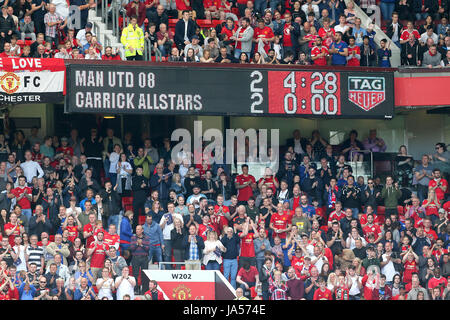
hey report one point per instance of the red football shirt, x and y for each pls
(319, 294)
(336, 216)
(315, 51)
(89, 228)
(354, 61)
(10, 226)
(73, 233)
(287, 40)
(247, 246)
(111, 240)
(327, 41)
(371, 229)
(245, 193)
(405, 34)
(24, 202)
(264, 33)
(280, 221)
(410, 267)
(439, 192)
(269, 182)
(99, 255)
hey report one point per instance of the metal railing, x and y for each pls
(149, 49)
(196, 263)
(352, 152)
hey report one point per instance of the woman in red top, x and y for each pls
(431, 205)
(410, 262)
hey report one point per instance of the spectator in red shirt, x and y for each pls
(262, 35)
(438, 184)
(323, 293)
(245, 184)
(97, 252)
(319, 53)
(354, 53)
(110, 54)
(247, 277)
(437, 281)
(153, 293)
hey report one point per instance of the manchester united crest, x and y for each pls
(10, 82)
(181, 293)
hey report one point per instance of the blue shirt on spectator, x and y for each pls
(336, 58)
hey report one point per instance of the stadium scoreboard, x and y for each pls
(200, 90)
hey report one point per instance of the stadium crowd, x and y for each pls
(306, 32)
(81, 216)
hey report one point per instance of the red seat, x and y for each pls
(141, 219)
(51, 238)
(172, 22)
(127, 200)
(400, 210)
(381, 210)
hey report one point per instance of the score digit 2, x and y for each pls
(308, 93)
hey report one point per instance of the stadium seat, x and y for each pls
(172, 23)
(127, 201)
(141, 219)
(51, 238)
(400, 210)
(381, 210)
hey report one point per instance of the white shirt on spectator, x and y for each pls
(62, 9)
(388, 270)
(31, 169)
(125, 288)
(105, 290)
(424, 37)
(81, 37)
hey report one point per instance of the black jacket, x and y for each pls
(413, 50)
(111, 203)
(7, 24)
(136, 186)
(158, 19)
(179, 31)
(390, 30)
(38, 228)
(369, 59)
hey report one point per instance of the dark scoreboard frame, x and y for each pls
(235, 89)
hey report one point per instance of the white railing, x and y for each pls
(365, 21)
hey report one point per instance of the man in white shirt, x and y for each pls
(387, 265)
(318, 259)
(125, 284)
(342, 26)
(81, 35)
(167, 224)
(31, 168)
(429, 34)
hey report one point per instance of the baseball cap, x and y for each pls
(195, 37)
(88, 25)
(64, 139)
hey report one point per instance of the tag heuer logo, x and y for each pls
(366, 92)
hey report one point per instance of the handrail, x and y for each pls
(363, 151)
(182, 263)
